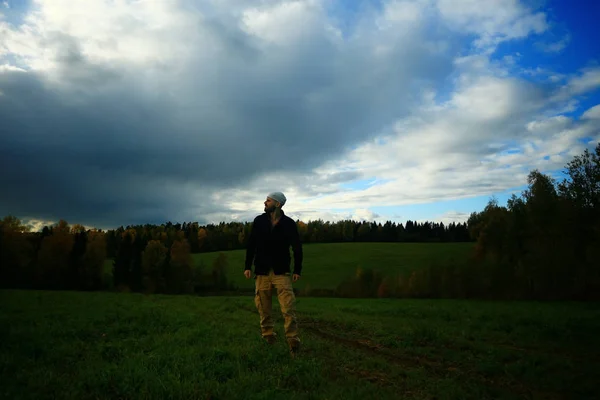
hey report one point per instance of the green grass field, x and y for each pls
(326, 265)
(72, 345)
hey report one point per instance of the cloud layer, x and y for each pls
(148, 111)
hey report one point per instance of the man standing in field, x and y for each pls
(270, 239)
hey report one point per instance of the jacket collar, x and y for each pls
(268, 216)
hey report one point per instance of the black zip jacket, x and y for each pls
(269, 247)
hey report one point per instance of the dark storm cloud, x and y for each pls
(111, 145)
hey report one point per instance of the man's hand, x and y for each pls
(295, 277)
(247, 273)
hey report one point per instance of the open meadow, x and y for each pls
(74, 345)
(326, 265)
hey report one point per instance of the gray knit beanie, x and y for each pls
(278, 196)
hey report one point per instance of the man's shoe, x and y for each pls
(270, 339)
(294, 346)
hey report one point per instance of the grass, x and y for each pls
(326, 265)
(72, 345)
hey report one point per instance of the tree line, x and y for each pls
(233, 235)
(157, 258)
(63, 257)
(544, 244)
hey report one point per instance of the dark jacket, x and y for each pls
(269, 247)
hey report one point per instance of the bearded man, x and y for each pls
(271, 236)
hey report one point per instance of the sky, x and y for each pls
(119, 112)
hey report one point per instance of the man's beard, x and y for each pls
(269, 210)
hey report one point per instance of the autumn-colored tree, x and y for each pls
(76, 263)
(242, 237)
(77, 228)
(180, 277)
(52, 265)
(365, 283)
(347, 231)
(233, 235)
(544, 244)
(153, 267)
(363, 231)
(302, 230)
(136, 276)
(219, 272)
(202, 234)
(383, 290)
(10, 223)
(163, 237)
(16, 254)
(492, 231)
(123, 261)
(129, 234)
(92, 270)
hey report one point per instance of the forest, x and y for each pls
(543, 244)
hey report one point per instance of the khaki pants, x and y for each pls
(287, 302)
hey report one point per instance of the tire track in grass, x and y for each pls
(434, 367)
(362, 344)
(374, 377)
(474, 345)
(372, 347)
(377, 377)
(338, 369)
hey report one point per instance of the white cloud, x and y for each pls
(552, 124)
(447, 218)
(8, 67)
(5, 4)
(492, 98)
(36, 225)
(222, 102)
(493, 21)
(126, 33)
(555, 47)
(285, 22)
(402, 12)
(592, 113)
(589, 80)
(486, 139)
(584, 82)
(543, 73)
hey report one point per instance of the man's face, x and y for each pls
(270, 205)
